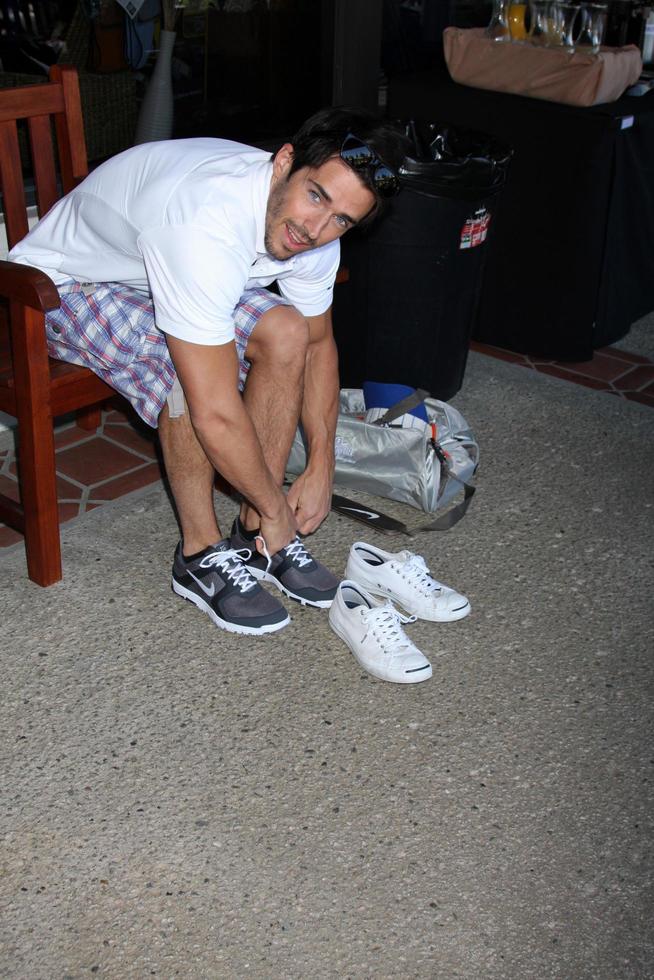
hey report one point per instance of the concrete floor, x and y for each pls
(179, 802)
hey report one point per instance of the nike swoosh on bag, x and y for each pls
(368, 513)
(382, 522)
(210, 592)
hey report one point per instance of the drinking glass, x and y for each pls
(538, 29)
(593, 26)
(565, 18)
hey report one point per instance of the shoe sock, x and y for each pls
(248, 535)
(198, 554)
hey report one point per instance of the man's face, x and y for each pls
(312, 207)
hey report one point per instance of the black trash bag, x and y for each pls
(407, 312)
(453, 162)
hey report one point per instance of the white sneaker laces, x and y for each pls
(298, 553)
(266, 553)
(295, 551)
(415, 571)
(385, 623)
(232, 563)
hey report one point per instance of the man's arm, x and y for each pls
(310, 495)
(209, 377)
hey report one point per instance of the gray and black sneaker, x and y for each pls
(219, 583)
(292, 570)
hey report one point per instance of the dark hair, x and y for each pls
(321, 137)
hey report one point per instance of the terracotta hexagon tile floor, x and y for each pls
(92, 467)
(94, 461)
(615, 371)
(122, 456)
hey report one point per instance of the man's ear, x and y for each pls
(283, 161)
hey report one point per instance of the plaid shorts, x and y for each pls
(110, 328)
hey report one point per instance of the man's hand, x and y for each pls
(310, 498)
(279, 531)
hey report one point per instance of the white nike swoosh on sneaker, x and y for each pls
(210, 592)
(368, 513)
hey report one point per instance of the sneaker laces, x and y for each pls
(415, 571)
(295, 551)
(298, 553)
(231, 562)
(264, 548)
(385, 622)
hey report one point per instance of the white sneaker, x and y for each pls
(374, 634)
(404, 578)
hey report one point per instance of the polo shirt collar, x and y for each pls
(261, 192)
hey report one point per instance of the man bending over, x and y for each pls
(162, 257)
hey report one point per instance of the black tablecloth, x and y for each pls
(571, 265)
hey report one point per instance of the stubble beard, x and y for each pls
(274, 210)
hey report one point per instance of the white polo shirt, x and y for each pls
(184, 221)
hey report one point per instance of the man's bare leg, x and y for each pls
(277, 351)
(191, 478)
(273, 396)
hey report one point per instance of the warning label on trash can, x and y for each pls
(475, 229)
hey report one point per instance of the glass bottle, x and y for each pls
(648, 39)
(516, 17)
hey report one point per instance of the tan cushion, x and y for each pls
(541, 73)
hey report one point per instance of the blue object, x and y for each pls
(376, 394)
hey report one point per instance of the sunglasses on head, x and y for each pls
(359, 156)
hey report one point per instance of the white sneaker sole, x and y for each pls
(223, 624)
(414, 677)
(262, 576)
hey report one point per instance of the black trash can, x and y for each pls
(407, 311)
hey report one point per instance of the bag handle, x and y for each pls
(452, 516)
(416, 398)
